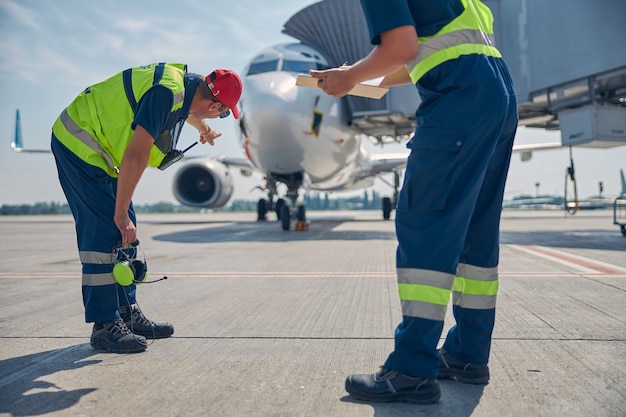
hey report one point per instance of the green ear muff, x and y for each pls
(126, 272)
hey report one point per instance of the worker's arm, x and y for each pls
(398, 47)
(207, 133)
(134, 162)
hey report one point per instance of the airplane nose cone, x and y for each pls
(275, 118)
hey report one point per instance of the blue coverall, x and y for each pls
(448, 213)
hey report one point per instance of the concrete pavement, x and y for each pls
(269, 323)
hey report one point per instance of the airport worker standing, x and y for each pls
(102, 142)
(448, 212)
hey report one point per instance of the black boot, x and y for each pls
(114, 336)
(390, 386)
(139, 324)
(452, 368)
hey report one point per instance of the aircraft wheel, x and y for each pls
(284, 216)
(280, 203)
(301, 213)
(386, 208)
(261, 210)
(623, 230)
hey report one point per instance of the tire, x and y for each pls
(301, 213)
(279, 207)
(261, 210)
(386, 208)
(284, 217)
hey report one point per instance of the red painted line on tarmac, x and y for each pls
(210, 274)
(580, 261)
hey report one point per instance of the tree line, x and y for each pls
(370, 200)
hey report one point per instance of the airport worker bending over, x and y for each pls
(102, 143)
(448, 213)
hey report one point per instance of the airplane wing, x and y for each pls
(383, 163)
(526, 150)
(244, 165)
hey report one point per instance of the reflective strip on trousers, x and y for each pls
(86, 138)
(475, 287)
(423, 293)
(98, 258)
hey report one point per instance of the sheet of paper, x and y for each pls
(361, 90)
(375, 82)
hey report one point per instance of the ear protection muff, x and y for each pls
(127, 271)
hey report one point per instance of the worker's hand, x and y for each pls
(335, 82)
(209, 136)
(126, 227)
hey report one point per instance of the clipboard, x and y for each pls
(361, 90)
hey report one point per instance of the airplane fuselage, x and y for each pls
(286, 129)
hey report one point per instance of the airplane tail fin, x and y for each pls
(17, 144)
(621, 172)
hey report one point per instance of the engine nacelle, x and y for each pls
(203, 183)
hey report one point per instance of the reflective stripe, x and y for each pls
(475, 287)
(424, 293)
(476, 302)
(426, 277)
(437, 57)
(423, 310)
(448, 40)
(477, 272)
(469, 33)
(86, 138)
(102, 258)
(178, 100)
(96, 280)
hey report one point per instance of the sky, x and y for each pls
(50, 51)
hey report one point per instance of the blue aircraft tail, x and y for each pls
(621, 171)
(17, 144)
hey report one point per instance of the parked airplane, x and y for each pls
(292, 135)
(296, 136)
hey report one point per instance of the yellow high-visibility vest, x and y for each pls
(96, 126)
(469, 33)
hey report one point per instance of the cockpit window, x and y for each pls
(301, 66)
(260, 67)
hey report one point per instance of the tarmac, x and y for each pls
(270, 323)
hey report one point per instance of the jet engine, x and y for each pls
(203, 183)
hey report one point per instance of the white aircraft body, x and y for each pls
(293, 135)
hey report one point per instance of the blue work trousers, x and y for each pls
(90, 193)
(450, 204)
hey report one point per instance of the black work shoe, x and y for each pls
(451, 368)
(389, 386)
(139, 324)
(114, 336)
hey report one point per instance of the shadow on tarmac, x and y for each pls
(324, 230)
(272, 232)
(22, 374)
(457, 399)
